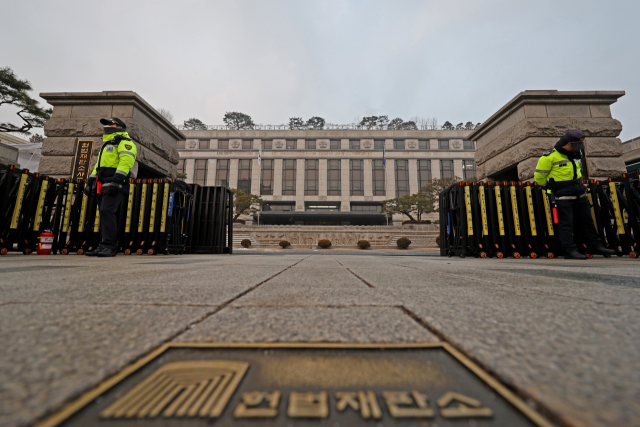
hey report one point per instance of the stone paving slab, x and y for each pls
(51, 352)
(309, 324)
(575, 353)
(562, 334)
(303, 286)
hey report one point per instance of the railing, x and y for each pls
(327, 126)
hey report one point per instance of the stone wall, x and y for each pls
(76, 115)
(270, 235)
(631, 151)
(8, 155)
(533, 121)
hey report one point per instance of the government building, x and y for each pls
(325, 177)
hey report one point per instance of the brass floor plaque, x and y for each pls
(300, 385)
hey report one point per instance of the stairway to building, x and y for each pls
(237, 238)
(425, 240)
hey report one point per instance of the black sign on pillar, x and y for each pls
(82, 163)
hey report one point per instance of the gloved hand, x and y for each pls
(114, 189)
(88, 188)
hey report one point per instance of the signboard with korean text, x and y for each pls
(82, 162)
(236, 384)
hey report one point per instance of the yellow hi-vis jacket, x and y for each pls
(116, 160)
(558, 166)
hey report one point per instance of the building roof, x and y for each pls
(9, 138)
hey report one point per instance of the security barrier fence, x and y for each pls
(517, 219)
(160, 216)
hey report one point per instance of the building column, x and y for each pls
(189, 169)
(255, 177)
(457, 168)
(233, 173)
(277, 177)
(390, 176)
(435, 169)
(413, 176)
(299, 184)
(322, 177)
(368, 177)
(211, 172)
(345, 183)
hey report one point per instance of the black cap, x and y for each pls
(113, 121)
(574, 136)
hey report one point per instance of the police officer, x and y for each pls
(109, 180)
(559, 172)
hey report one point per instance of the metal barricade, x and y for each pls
(159, 216)
(514, 219)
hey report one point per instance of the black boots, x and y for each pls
(601, 250)
(101, 251)
(574, 255)
(93, 252)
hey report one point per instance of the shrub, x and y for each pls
(245, 243)
(324, 243)
(284, 244)
(364, 244)
(403, 243)
(438, 240)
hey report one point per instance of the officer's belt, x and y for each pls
(562, 184)
(571, 197)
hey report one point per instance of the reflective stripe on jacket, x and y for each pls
(557, 166)
(117, 159)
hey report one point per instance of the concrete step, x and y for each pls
(428, 240)
(237, 238)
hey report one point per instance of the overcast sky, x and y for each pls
(454, 60)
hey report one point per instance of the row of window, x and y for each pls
(334, 175)
(321, 207)
(334, 144)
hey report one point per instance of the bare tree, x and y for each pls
(166, 114)
(35, 139)
(433, 123)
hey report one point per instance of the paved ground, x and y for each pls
(564, 334)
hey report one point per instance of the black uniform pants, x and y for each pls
(576, 215)
(108, 221)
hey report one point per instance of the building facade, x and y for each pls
(631, 154)
(325, 170)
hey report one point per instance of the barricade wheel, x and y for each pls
(633, 254)
(150, 252)
(3, 251)
(139, 251)
(516, 254)
(483, 255)
(550, 255)
(65, 251)
(589, 255)
(80, 251)
(500, 255)
(533, 255)
(462, 255)
(127, 251)
(607, 256)
(26, 251)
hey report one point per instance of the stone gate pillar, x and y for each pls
(76, 116)
(511, 141)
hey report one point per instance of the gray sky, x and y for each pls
(457, 60)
